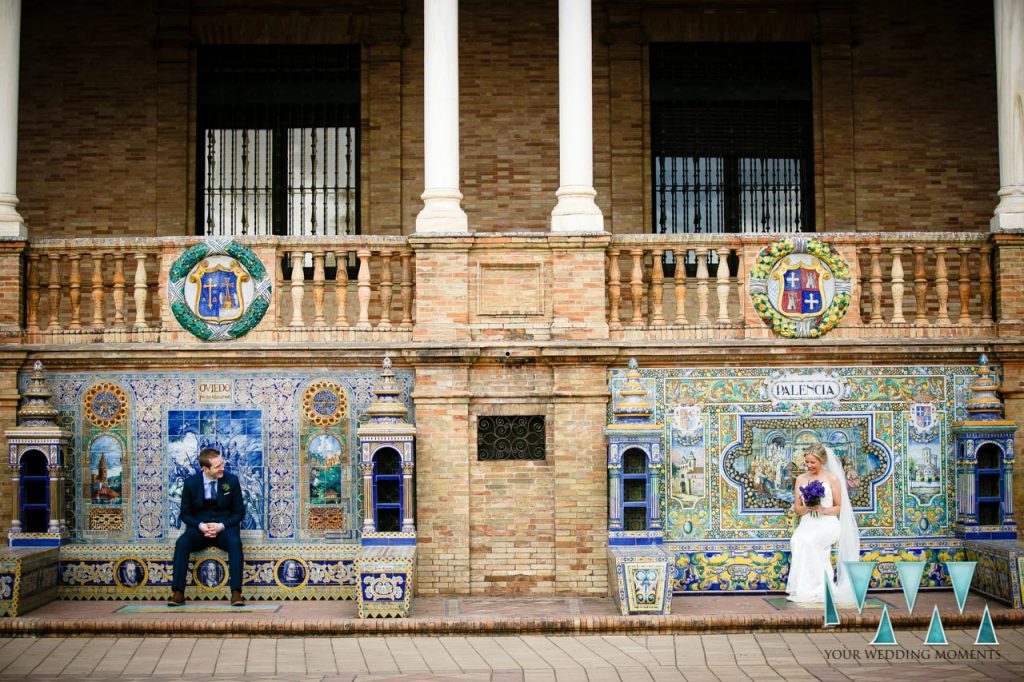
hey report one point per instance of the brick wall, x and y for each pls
(442, 480)
(87, 119)
(926, 152)
(905, 108)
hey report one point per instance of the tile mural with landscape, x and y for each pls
(142, 433)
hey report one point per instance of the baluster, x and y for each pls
(876, 284)
(386, 290)
(118, 291)
(298, 288)
(723, 284)
(636, 287)
(141, 291)
(963, 277)
(75, 291)
(920, 288)
(98, 320)
(657, 291)
(741, 290)
(680, 286)
(702, 287)
(279, 285)
(614, 323)
(32, 313)
(318, 289)
(53, 292)
(897, 285)
(341, 289)
(363, 288)
(986, 284)
(406, 289)
(942, 285)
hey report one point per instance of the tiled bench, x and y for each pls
(385, 576)
(1000, 569)
(28, 578)
(313, 571)
(641, 579)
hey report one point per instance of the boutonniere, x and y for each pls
(225, 488)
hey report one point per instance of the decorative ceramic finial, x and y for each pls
(984, 404)
(36, 409)
(631, 399)
(387, 408)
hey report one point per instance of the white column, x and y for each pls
(442, 208)
(1009, 26)
(575, 210)
(11, 223)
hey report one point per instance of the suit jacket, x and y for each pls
(229, 508)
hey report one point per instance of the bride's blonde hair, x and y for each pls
(817, 451)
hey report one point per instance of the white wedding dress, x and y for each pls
(811, 554)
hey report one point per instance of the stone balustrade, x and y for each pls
(903, 284)
(657, 287)
(115, 290)
(347, 288)
(92, 290)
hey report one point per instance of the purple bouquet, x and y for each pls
(812, 494)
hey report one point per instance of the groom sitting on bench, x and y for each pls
(212, 510)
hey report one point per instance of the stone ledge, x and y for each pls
(567, 625)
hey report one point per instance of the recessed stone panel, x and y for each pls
(511, 289)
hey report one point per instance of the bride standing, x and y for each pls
(822, 526)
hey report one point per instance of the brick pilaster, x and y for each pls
(441, 399)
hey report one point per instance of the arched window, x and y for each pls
(634, 489)
(35, 492)
(387, 491)
(990, 485)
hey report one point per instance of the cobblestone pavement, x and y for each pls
(727, 657)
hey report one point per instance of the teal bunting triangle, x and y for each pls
(860, 577)
(986, 631)
(936, 633)
(960, 574)
(910, 579)
(831, 613)
(884, 636)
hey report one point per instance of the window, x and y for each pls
(387, 491)
(990, 485)
(35, 492)
(519, 437)
(634, 490)
(277, 140)
(731, 137)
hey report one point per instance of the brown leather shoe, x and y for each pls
(236, 598)
(177, 598)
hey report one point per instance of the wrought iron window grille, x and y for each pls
(277, 147)
(510, 438)
(731, 139)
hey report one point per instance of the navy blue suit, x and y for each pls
(228, 508)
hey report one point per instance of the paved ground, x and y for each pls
(734, 657)
(730, 638)
(696, 614)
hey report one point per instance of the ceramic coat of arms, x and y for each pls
(219, 290)
(800, 287)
